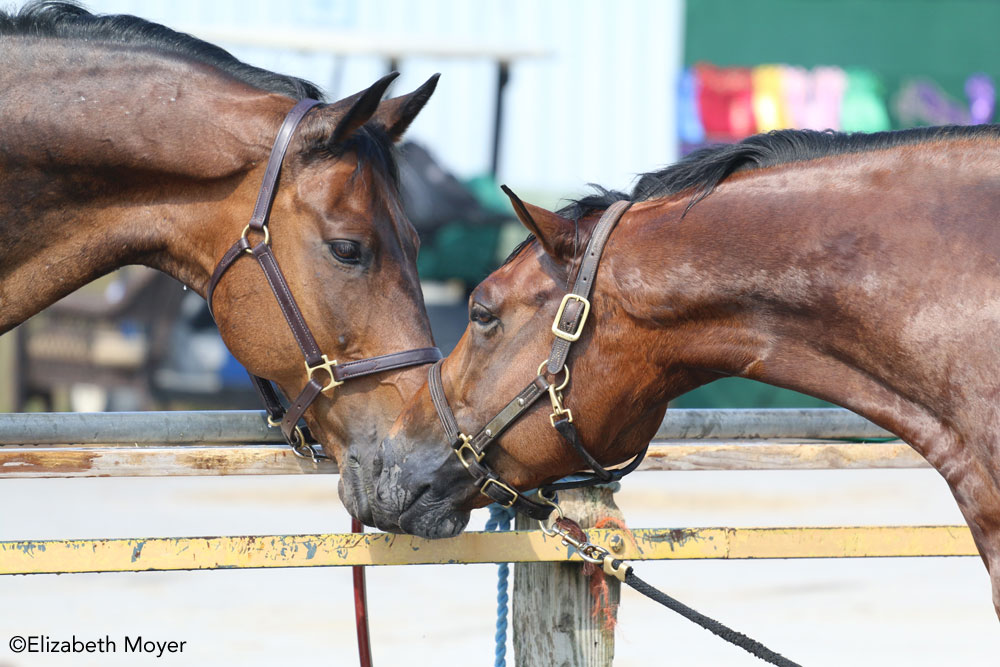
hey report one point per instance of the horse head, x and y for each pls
(424, 485)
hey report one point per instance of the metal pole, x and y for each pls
(107, 428)
(757, 424)
(503, 76)
(250, 426)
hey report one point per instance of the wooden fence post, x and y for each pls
(9, 376)
(553, 606)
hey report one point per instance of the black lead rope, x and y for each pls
(722, 631)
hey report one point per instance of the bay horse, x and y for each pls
(124, 142)
(863, 269)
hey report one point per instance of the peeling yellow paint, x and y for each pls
(332, 550)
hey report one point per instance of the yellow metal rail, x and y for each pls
(330, 550)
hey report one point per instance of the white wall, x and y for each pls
(600, 108)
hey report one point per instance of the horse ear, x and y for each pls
(395, 115)
(359, 108)
(554, 232)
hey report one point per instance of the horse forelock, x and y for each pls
(370, 145)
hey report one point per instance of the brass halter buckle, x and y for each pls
(467, 446)
(495, 482)
(559, 333)
(327, 366)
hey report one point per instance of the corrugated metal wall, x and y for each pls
(598, 108)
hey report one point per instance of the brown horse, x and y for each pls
(861, 269)
(124, 142)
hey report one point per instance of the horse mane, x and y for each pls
(702, 170)
(69, 21)
(705, 168)
(66, 20)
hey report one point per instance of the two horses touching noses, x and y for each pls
(860, 269)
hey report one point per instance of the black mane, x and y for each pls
(704, 169)
(66, 20)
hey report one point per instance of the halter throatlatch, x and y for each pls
(567, 327)
(323, 373)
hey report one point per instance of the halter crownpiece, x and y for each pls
(323, 373)
(567, 327)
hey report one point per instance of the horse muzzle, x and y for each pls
(419, 490)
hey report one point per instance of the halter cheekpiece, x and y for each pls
(323, 373)
(567, 327)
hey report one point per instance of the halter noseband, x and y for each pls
(316, 362)
(567, 328)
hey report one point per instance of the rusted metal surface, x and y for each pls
(332, 550)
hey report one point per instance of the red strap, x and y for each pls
(361, 605)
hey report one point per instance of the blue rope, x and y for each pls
(500, 518)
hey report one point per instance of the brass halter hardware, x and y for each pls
(467, 446)
(555, 395)
(327, 366)
(246, 231)
(559, 333)
(497, 483)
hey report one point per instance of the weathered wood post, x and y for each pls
(553, 607)
(9, 375)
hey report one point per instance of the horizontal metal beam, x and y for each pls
(207, 460)
(136, 428)
(250, 426)
(331, 550)
(758, 424)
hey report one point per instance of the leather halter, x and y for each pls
(567, 328)
(316, 362)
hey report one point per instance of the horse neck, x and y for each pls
(142, 162)
(833, 278)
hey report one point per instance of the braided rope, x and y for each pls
(500, 518)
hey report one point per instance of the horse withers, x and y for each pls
(125, 142)
(860, 269)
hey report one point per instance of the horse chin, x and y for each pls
(355, 504)
(355, 490)
(433, 521)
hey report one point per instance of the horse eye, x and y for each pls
(348, 252)
(480, 315)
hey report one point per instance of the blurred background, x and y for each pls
(545, 96)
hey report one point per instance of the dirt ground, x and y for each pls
(918, 611)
